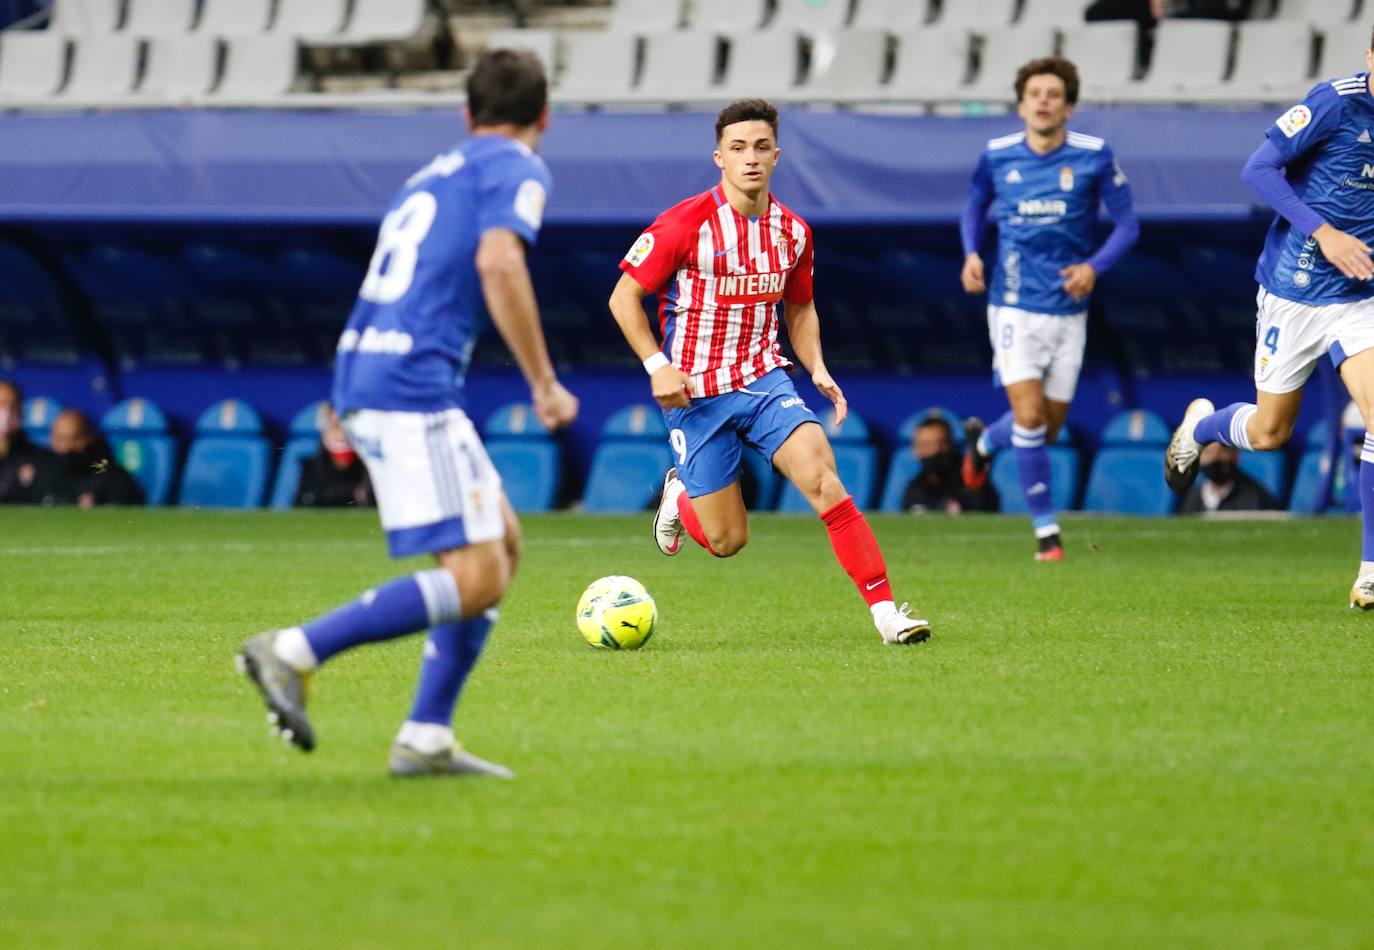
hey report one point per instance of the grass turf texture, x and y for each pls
(1164, 740)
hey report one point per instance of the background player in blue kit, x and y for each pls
(1316, 169)
(1044, 186)
(458, 228)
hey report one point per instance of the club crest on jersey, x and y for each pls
(1066, 178)
(744, 289)
(641, 250)
(1294, 120)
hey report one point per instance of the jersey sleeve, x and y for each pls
(655, 255)
(513, 197)
(1308, 124)
(800, 282)
(1115, 191)
(980, 196)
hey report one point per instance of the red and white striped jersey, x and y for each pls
(719, 277)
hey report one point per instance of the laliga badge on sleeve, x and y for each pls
(529, 202)
(1294, 120)
(641, 250)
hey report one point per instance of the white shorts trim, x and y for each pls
(436, 487)
(1290, 337)
(1040, 346)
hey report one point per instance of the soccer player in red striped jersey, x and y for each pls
(720, 263)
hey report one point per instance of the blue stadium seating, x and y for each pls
(1128, 474)
(1311, 472)
(303, 443)
(526, 455)
(39, 412)
(229, 462)
(629, 463)
(137, 430)
(1270, 469)
(856, 461)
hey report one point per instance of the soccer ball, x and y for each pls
(617, 613)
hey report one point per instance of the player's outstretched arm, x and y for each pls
(509, 294)
(668, 383)
(804, 332)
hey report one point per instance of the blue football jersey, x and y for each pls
(1327, 144)
(1046, 209)
(409, 339)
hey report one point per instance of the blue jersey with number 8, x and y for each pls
(411, 334)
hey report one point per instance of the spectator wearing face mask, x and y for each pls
(1223, 486)
(23, 463)
(334, 476)
(939, 486)
(83, 473)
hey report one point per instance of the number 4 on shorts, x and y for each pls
(1271, 339)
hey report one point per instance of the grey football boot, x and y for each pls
(409, 762)
(283, 689)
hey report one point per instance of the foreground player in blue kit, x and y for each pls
(1044, 186)
(1316, 169)
(458, 228)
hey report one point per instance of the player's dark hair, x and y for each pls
(747, 110)
(1049, 66)
(507, 87)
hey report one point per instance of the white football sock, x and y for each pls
(293, 649)
(425, 737)
(1366, 568)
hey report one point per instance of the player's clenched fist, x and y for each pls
(972, 275)
(670, 387)
(554, 406)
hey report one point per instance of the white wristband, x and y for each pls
(655, 362)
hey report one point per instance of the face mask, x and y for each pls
(1219, 473)
(343, 457)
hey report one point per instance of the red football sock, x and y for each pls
(691, 522)
(858, 551)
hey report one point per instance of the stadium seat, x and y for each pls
(1065, 479)
(104, 68)
(1056, 13)
(1011, 44)
(180, 68)
(732, 17)
(542, 43)
(1189, 55)
(645, 16)
(33, 66)
(810, 16)
(304, 442)
(630, 462)
(234, 17)
(895, 16)
(39, 413)
(848, 65)
(379, 21)
(978, 15)
(931, 64)
(1272, 57)
(526, 455)
(1270, 469)
(1313, 467)
(312, 19)
(137, 430)
(1105, 51)
(681, 66)
(767, 63)
(71, 17)
(159, 17)
(597, 65)
(258, 67)
(856, 460)
(1128, 474)
(229, 461)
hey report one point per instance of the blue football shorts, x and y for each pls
(706, 437)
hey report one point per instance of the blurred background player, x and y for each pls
(1044, 185)
(458, 228)
(720, 263)
(1315, 299)
(938, 485)
(334, 476)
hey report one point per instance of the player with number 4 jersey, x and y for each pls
(1315, 298)
(720, 263)
(458, 231)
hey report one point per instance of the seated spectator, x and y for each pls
(1149, 11)
(334, 476)
(1223, 486)
(84, 474)
(938, 486)
(22, 461)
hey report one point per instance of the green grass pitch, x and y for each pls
(1166, 740)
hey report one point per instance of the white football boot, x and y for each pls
(1362, 594)
(898, 626)
(1180, 458)
(667, 522)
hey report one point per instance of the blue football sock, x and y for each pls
(403, 606)
(450, 652)
(1033, 464)
(996, 436)
(1367, 496)
(1227, 426)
